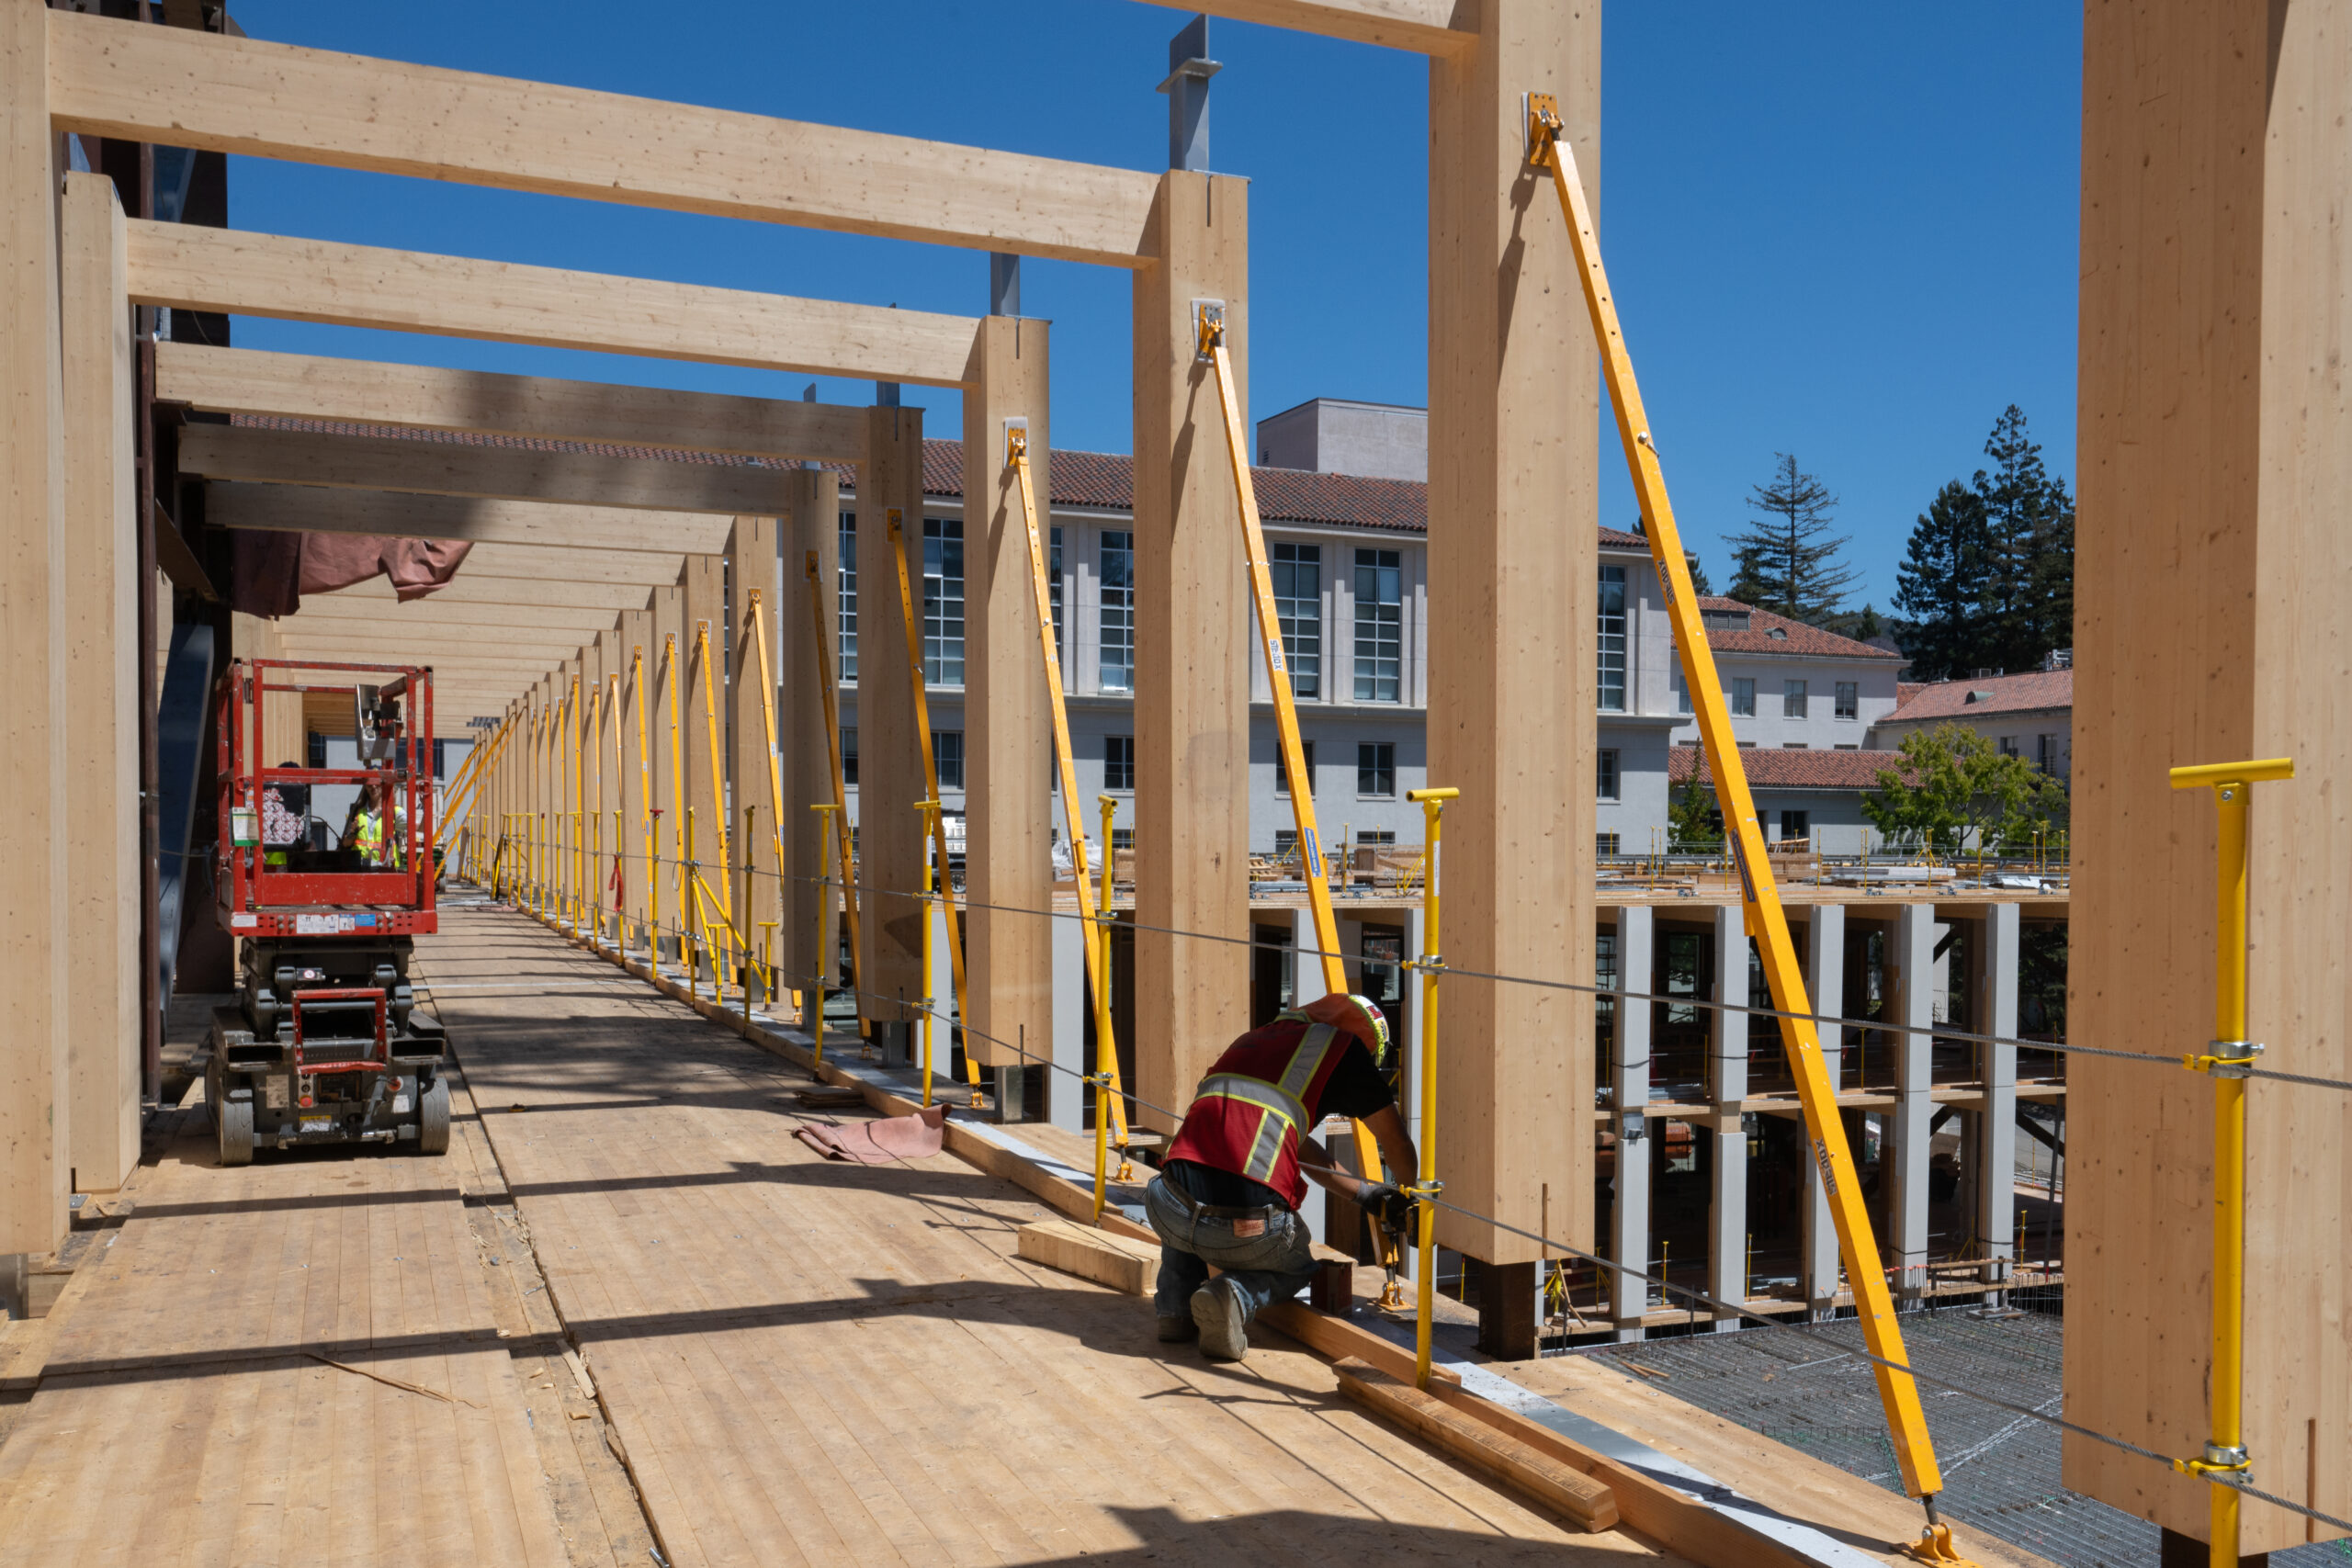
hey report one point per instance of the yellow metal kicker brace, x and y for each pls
(1767, 923)
(1208, 323)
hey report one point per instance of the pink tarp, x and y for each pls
(274, 571)
(883, 1142)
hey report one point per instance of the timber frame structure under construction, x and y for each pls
(725, 1347)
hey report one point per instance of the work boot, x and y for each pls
(1217, 1312)
(1176, 1330)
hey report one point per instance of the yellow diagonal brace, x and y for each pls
(1767, 923)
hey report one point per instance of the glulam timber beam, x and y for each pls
(310, 508)
(645, 569)
(538, 592)
(189, 267)
(427, 396)
(373, 615)
(1417, 26)
(311, 106)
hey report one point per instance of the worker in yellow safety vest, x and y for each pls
(372, 830)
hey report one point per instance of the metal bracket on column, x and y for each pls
(1208, 330)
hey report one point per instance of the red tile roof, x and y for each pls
(1788, 770)
(1104, 479)
(1795, 637)
(2038, 691)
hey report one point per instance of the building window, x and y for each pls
(1380, 627)
(1606, 783)
(1849, 699)
(1743, 697)
(1298, 607)
(2045, 753)
(1119, 761)
(1605, 846)
(440, 759)
(1681, 689)
(849, 756)
(1795, 745)
(846, 589)
(1118, 573)
(1724, 620)
(1282, 768)
(1376, 836)
(1612, 639)
(1054, 586)
(943, 601)
(314, 749)
(1793, 699)
(1846, 747)
(1796, 825)
(1122, 841)
(1285, 842)
(2008, 745)
(1376, 770)
(947, 755)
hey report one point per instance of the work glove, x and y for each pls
(1391, 1206)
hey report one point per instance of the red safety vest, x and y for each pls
(1252, 1107)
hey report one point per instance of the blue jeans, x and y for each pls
(1268, 1267)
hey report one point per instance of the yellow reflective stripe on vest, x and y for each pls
(1283, 1110)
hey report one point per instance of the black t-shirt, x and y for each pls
(1355, 1088)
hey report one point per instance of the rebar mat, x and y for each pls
(2000, 1469)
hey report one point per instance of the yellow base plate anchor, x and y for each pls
(1934, 1544)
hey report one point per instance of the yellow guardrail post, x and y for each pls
(930, 809)
(824, 894)
(2224, 1461)
(1425, 1190)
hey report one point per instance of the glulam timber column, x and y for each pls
(615, 746)
(640, 655)
(1514, 411)
(2214, 586)
(812, 529)
(1008, 727)
(753, 563)
(1192, 677)
(1911, 958)
(665, 657)
(1995, 951)
(702, 583)
(102, 686)
(35, 1085)
(1726, 1124)
(891, 843)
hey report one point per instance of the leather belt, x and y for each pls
(1201, 1211)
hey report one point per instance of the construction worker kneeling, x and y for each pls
(1228, 1192)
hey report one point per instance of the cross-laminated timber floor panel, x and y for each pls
(799, 1361)
(821, 1363)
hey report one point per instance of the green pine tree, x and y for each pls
(2026, 606)
(1785, 559)
(1941, 584)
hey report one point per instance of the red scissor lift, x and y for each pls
(324, 1045)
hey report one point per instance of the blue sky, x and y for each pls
(1840, 231)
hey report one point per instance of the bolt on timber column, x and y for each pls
(102, 676)
(34, 1085)
(1009, 736)
(813, 529)
(892, 839)
(1514, 412)
(1192, 711)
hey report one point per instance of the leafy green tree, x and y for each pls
(1942, 582)
(1694, 823)
(1954, 791)
(1785, 560)
(1698, 574)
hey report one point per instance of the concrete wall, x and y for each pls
(2022, 732)
(1329, 435)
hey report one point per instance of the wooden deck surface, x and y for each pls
(791, 1360)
